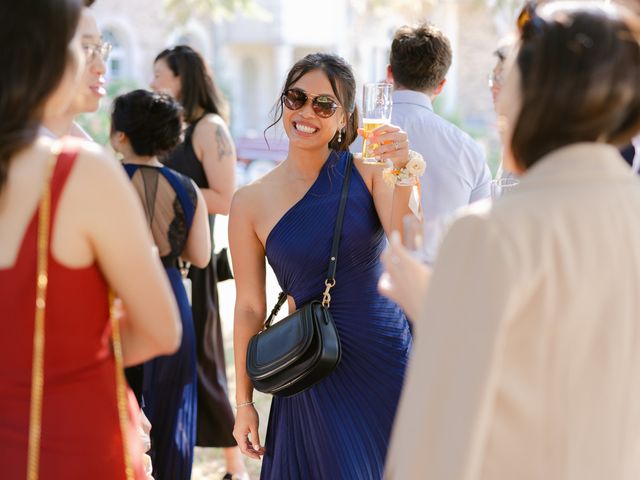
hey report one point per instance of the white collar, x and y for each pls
(412, 97)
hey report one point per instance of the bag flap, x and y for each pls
(274, 349)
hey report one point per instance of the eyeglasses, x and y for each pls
(95, 50)
(495, 80)
(323, 105)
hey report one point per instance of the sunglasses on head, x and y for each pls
(528, 22)
(323, 105)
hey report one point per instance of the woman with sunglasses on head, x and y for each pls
(527, 348)
(338, 428)
(206, 155)
(145, 125)
(64, 408)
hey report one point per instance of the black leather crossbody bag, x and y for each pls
(303, 348)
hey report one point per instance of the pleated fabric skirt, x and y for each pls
(170, 398)
(340, 428)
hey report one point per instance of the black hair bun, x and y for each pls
(152, 121)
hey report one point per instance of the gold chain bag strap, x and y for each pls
(121, 385)
(37, 372)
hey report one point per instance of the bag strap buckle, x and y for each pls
(326, 296)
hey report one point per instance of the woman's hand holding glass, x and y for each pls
(405, 279)
(391, 144)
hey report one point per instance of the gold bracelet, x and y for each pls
(246, 404)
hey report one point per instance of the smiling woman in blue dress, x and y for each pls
(340, 427)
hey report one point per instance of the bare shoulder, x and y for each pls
(98, 180)
(210, 124)
(211, 136)
(97, 164)
(256, 193)
(367, 172)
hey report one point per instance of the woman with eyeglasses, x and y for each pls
(206, 155)
(64, 205)
(339, 428)
(90, 88)
(496, 81)
(527, 350)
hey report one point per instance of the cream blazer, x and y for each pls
(526, 365)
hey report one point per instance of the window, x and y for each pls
(117, 64)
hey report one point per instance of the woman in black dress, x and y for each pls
(207, 155)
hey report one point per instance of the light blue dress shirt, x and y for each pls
(457, 173)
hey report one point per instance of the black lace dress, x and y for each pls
(215, 416)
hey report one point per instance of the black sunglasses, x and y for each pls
(323, 105)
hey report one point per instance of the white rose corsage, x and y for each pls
(407, 175)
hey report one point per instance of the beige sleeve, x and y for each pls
(446, 404)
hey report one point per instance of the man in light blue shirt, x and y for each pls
(457, 173)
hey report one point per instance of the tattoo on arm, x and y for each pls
(224, 146)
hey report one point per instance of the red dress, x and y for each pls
(81, 437)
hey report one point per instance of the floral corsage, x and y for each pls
(407, 175)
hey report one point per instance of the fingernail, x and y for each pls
(256, 447)
(395, 237)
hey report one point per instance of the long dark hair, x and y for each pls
(198, 89)
(35, 36)
(580, 79)
(343, 83)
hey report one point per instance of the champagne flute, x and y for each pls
(376, 111)
(422, 237)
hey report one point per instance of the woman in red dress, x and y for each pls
(97, 238)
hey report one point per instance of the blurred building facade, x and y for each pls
(250, 57)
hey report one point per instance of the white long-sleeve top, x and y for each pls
(526, 365)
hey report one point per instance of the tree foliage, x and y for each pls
(183, 10)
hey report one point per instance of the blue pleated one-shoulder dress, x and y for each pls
(339, 428)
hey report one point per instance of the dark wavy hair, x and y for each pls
(35, 35)
(343, 83)
(152, 121)
(420, 57)
(198, 90)
(580, 79)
